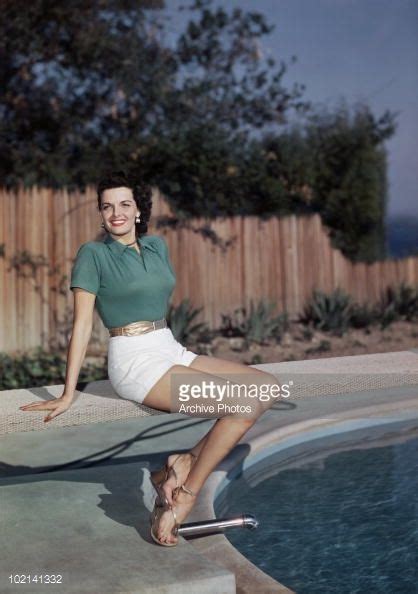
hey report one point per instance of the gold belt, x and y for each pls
(135, 328)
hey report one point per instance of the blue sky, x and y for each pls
(359, 50)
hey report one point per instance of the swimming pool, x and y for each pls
(338, 515)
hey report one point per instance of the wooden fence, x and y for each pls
(282, 260)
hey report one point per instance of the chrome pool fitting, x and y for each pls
(216, 526)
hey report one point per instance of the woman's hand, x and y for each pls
(57, 406)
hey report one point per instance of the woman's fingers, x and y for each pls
(58, 411)
(39, 405)
(54, 414)
(49, 417)
(57, 406)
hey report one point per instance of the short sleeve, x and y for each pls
(164, 249)
(86, 270)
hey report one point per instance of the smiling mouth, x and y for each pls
(117, 222)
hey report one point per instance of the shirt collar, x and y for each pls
(118, 248)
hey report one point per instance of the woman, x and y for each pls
(129, 278)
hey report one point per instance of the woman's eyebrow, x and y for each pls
(123, 200)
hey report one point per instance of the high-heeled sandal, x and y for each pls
(159, 477)
(156, 516)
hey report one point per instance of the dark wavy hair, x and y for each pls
(141, 191)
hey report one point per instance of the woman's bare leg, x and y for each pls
(183, 463)
(213, 447)
(223, 436)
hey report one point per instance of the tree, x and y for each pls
(91, 81)
(350, 186)
(226, 79)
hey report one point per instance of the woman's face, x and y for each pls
(118, 210)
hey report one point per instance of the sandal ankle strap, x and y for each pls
(189, 491)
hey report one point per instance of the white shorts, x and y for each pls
(136, 363)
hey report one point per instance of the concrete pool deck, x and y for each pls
(75, 499)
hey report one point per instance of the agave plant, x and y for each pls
(397, 303)
(363, 315)
(404, 299)
(261, 325)
(180, 319)
(328, 312)
(257, 325)
(233, 325)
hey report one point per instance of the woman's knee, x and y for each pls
(269, 390)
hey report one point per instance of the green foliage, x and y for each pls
(206, 171)
(307, 333)
(288, 164)
(41, 368)
(255, 324)
(337, 311)
(86, 83)
(261, 326)
(328, 312)
(350, 186)
(180, 319)
(398, 303)
(256, 359)
(363, 315)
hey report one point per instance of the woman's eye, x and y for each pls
(107, 206)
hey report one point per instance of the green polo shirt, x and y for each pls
(129, 286)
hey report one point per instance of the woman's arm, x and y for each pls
(80, 337)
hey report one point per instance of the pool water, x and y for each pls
(346, 522)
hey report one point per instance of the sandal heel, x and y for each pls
(158, 477)
(158, 511)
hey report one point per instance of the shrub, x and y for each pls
(328, 312)
(180, 319)
(337, 311)
(41, 368)
(398, 303)
(363, 315)
(257, 324)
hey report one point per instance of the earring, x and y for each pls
(137, 219)
(102, 225)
